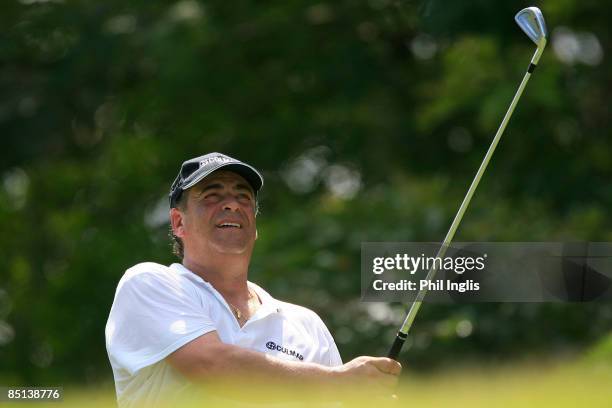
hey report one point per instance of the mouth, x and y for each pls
(225, 225)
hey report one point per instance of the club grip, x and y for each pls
(397, 345)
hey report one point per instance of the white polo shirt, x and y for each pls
(158, 309)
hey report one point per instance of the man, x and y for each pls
(171, 329)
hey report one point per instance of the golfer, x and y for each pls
(172, 329)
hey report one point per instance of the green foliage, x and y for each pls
(601, 352)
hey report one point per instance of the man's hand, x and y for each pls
(378, 374)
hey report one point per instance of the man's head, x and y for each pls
(213, 204)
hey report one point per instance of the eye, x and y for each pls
(212, 196)
(244, 197)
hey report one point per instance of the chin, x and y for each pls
(233, 248)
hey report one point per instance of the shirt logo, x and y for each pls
(273, 346)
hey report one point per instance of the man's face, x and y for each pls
(219, 215)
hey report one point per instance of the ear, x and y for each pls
(176, 221)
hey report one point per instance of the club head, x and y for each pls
(531, 21)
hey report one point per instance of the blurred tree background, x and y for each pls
(368, 118)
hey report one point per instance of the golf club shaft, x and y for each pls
(402, 334)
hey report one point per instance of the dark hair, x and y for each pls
(178, 248)
(177, 244)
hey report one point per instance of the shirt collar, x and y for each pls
(268, 303)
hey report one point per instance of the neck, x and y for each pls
(227, 273)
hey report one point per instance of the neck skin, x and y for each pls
(227, 273)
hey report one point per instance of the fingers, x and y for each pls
(381, 374)
(388, 381)
(387, 365)
(389, 371)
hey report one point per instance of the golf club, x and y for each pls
(531, 21)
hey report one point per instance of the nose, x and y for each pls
(231, 203)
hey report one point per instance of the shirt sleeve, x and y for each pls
(333, 355)
(154, 313)
(329, 354)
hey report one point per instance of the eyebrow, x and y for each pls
(214, 186)
(210, 187)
